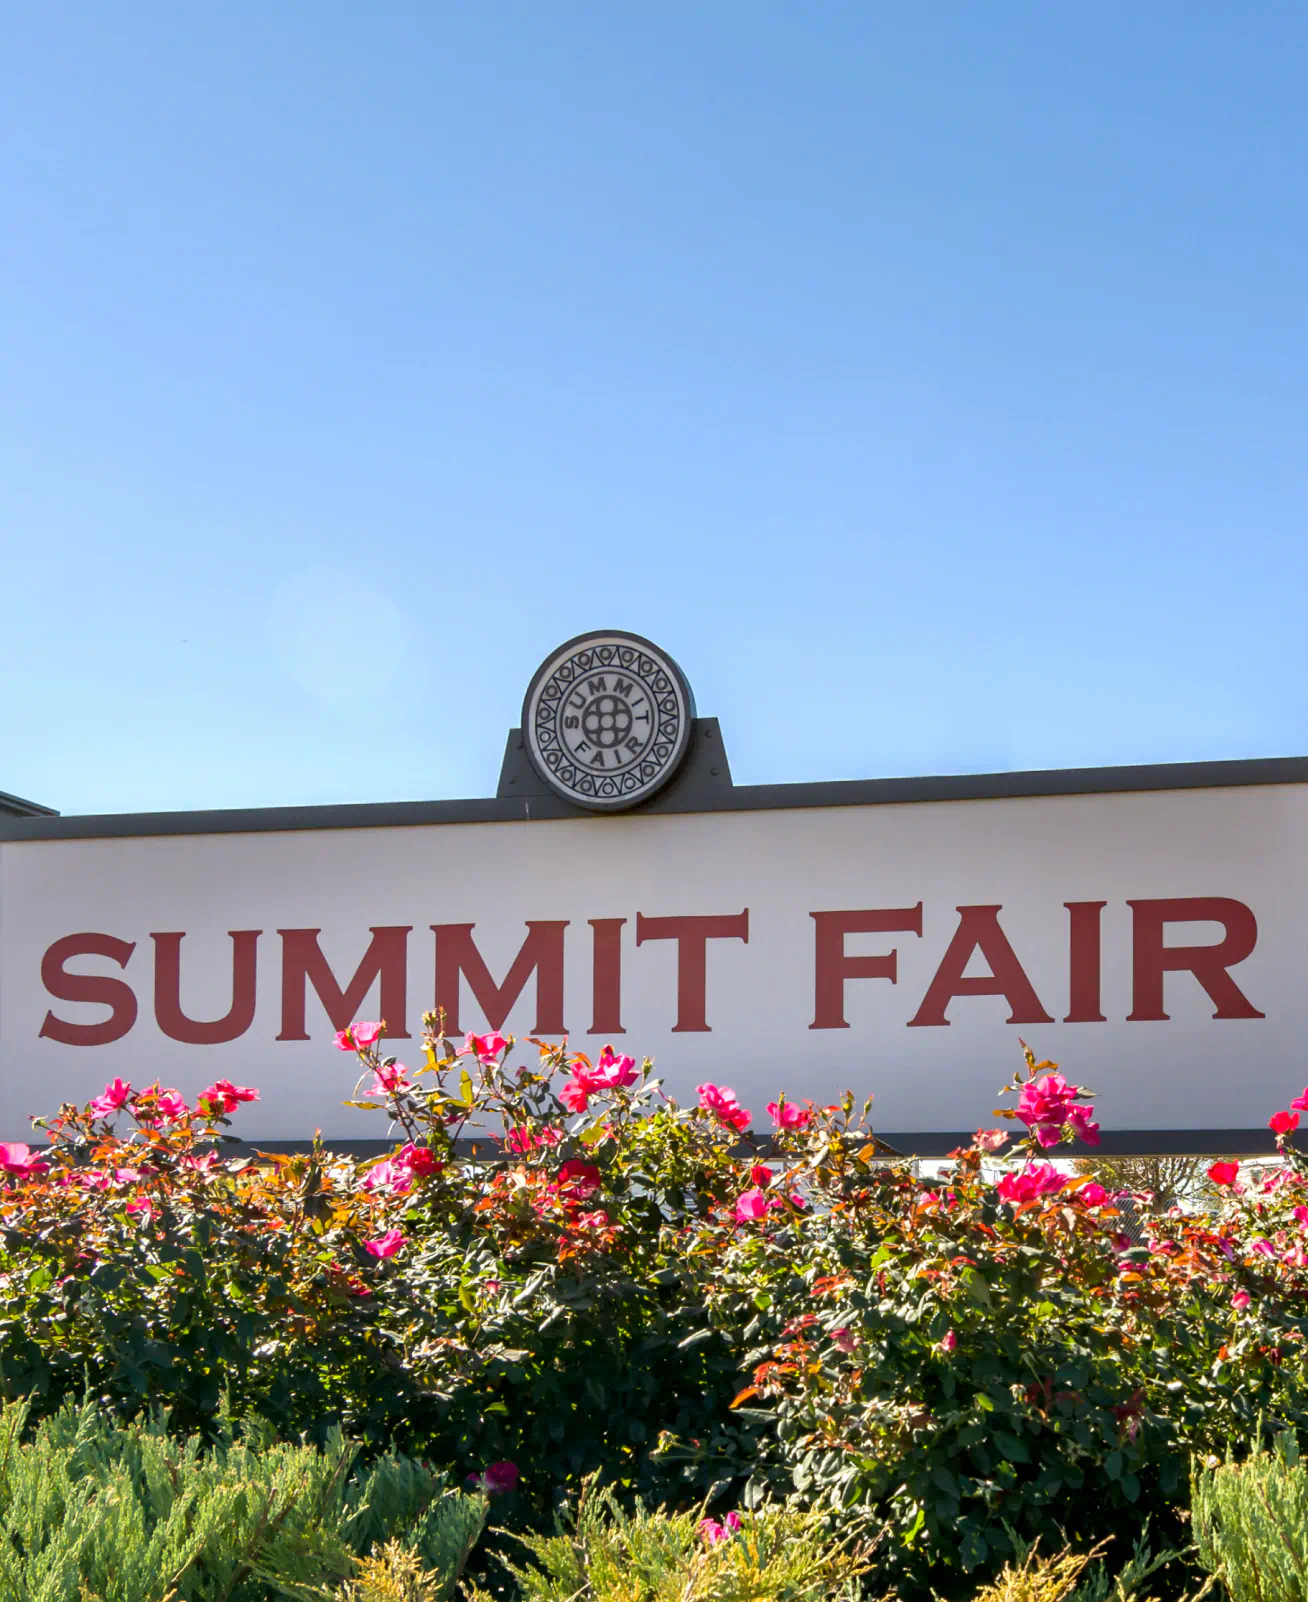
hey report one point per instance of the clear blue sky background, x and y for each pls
(930, 380)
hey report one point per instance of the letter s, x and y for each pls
(115, 994)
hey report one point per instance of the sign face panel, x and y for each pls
(607, 720)
(1151, 942)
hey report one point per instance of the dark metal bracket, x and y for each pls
(702, 780)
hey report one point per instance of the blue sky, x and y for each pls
(930, 380)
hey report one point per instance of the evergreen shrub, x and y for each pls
(1251, 1523)
(94, 1512)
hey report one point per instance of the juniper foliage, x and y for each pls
(91, 1511)
(1251, 1523)
(608, 1554)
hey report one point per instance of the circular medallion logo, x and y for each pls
(607, 720)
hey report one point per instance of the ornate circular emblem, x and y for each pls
(607, 720)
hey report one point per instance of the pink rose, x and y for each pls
(483, 1047)
(1046, 1100)
(522, 1139)
(751, 1205)
(713, 1532)
(845, 1339)
(1224, 1173)
(222, 1096)
(785, 1115)
(397, 1173)
(612, 1072)
(18, 1158)
(385, 1245)
(1037, 1179)
(390, 1176)
(578, 1180)
(948, 1341)
(990, 1139)
(721, 1099)
(760, 1175)
(143, 1208)
(1300, 1102)
(171, 1105)
(418, 1159)
(390, 1081)
(358, 1036)
(1240, 1301)
(1048, 1105)
(1282, 1123)
(111, 1098)
(575, 1095)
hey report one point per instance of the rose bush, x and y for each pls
(557, 1271)
(992, 1362)
(504, 1286)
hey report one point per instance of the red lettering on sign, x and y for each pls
(606, 977)
(168, 991)
(303, 964)
(831, 966)
(692, 935)
(1151, 959)
(541, 953)
(1083, 962)
(95, 989)
(979, 930)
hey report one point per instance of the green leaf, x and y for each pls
(972, 1549)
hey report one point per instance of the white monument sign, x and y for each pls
(1147, 928)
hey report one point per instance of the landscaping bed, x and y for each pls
(568, 1337)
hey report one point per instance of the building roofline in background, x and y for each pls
(14, 806)
(701, 789)
(1239, 1143)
